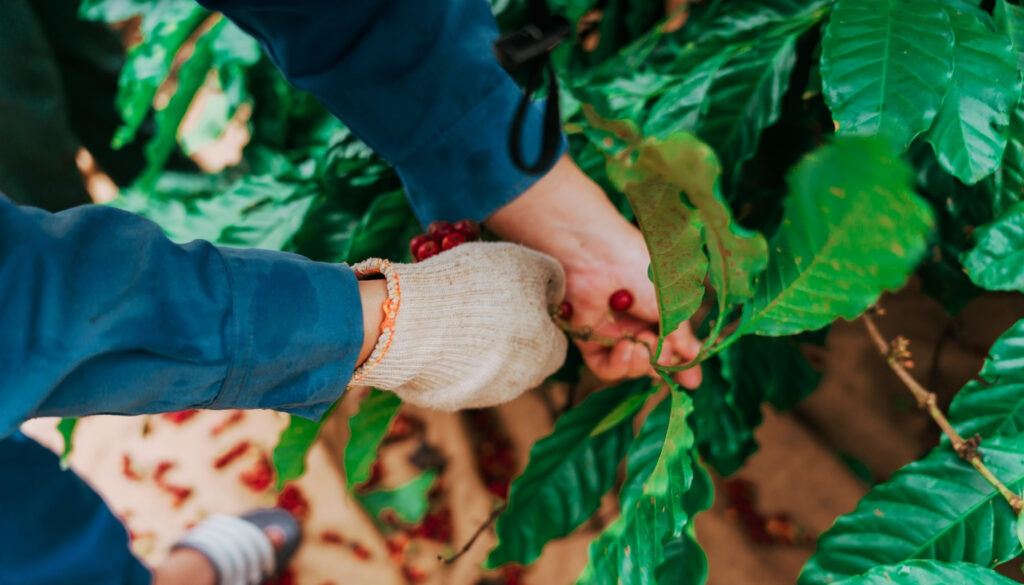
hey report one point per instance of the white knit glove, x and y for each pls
(468, 328)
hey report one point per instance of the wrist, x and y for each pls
(568, 216)
(372, 294)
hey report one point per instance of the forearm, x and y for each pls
(102, 313)
(417, 82)
(568, 216)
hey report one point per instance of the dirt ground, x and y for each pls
(813, 464)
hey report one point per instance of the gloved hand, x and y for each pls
(468, 328)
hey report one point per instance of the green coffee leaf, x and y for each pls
(997, 260)
(736, 254)
(166, 26)
(994, 404)
(970, 131)
(1009, 179)
(929, 573)
(658, 509)
(66, 427)
(852, 228)
(293, 446)
(409, 501)
(368, 426)
(567, 474)
(937, 508)
(885, 66)
(1020, 528)
(745, 98)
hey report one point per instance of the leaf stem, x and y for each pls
(897, 356)
(472, 539)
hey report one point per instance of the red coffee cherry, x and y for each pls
(427, 249)
(621, 300)
(451, 240)
(565, 311)
(468, 228)
(440, 229)
(415, 243)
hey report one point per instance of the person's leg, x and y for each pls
(37, 146)
(54, 529)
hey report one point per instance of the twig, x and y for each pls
(472, 539)
(587, 335)
(898, 358)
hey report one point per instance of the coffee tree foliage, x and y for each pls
(787, 162)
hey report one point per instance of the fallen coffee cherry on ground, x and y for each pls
(293, 500)
(259, 477)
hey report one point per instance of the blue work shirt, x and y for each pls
(101, 313)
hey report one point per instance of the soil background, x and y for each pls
(814, 463)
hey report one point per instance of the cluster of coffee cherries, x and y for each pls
(443, 235)
(619, 301)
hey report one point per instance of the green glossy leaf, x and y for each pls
(724, 421)
(852, 228)
(644, 453)
(1009, 19)
(293, 446)
(885, 66)
(683, 103)
(929, 573)
(408, 501)
(66, 428)
(997, 260)
(567, 474)
(737, 22)
(751, 372)
(673, 235)
(736, 254)
(113, 11)
(970, 131)
(632, 549)
(384, 230)
(771, 369)
(1020, 528)
(368, 426)
(664, 169)
(994, 404)
(1009, 180)
(685, 563)
(191, 77)
(936, 508)
(745, 98)
(165, 28)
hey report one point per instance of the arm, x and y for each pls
(101, 313)
(422, 88)
(417, 82)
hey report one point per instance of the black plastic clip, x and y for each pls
(530, 47)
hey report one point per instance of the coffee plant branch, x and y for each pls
(587, 335)
(897, 355)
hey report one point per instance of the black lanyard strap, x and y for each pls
(530, 47)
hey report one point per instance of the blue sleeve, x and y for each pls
(417, 81)
(101, 313)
